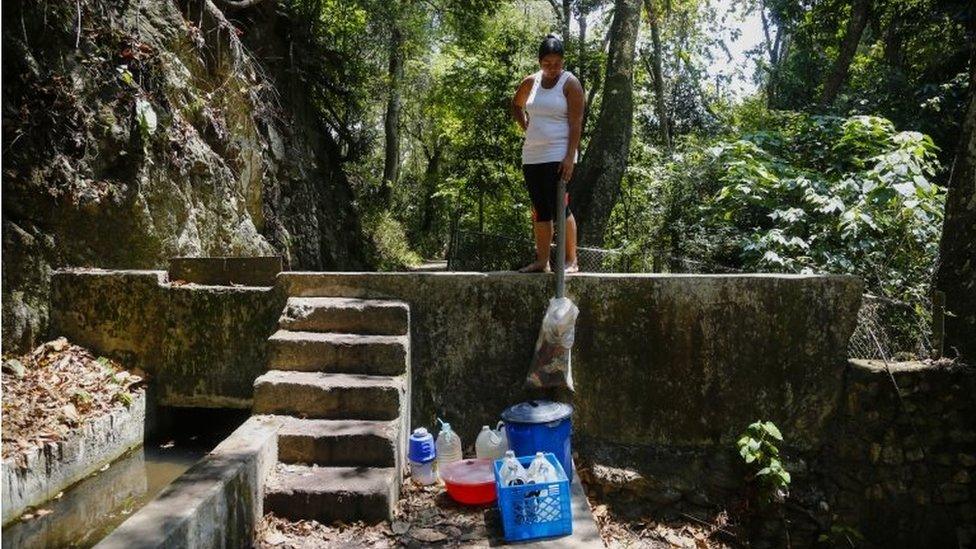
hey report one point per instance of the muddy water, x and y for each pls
(95, 506)
(89, 510)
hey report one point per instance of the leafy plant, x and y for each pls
(757, 446)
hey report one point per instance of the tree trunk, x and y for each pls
(956, 275)
(852, 37)
(581, 56)
(391, 122)
(567, 38)
(662, 113)
(596, 184)
(431, 176)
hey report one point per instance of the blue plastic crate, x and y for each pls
(533, 511)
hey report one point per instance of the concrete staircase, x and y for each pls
(339, 370)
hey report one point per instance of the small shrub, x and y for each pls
(389, 241)
(757, 446)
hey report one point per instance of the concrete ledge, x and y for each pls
(57, 465)
(217, 503)
(202, 345)
(248, 271)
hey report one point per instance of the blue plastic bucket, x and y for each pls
(541, 426)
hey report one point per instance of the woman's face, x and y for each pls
(551, 65)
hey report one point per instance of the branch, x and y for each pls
(559, 12)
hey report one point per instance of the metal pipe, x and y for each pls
(561, 238)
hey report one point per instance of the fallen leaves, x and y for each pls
(425, 517)
(58, 387)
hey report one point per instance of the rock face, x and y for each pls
(147, 131)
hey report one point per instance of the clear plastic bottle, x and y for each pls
(448, 445)
(512, 473)
(541, 471)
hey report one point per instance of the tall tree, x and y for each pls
(564, 14)
(956, 275)
(391, 121)
(860, 11)
(596, 183)
(654, 67)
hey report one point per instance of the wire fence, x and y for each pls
(904, 331)
(474, 251)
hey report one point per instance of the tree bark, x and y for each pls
(662, 113)
(596, 185)
(567, 38)
(852, 37)
(956, 275)
(391, 122)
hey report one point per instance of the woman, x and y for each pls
(548, 106)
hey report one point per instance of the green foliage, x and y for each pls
(757, 446)
(910, 66)
(841, 535)
(830, 194)
(791, 192)
(389, 241)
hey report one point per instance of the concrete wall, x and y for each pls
(676, 360)
(43, 472)
(201, 345)
(216, 503)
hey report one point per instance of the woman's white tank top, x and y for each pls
(547, 136)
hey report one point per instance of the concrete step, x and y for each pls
(346, 315)
(328, 396)
(334, 352)
(329, 494)
(339, 442)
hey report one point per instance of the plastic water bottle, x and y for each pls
(448, 445)
(490, 444)
(541, 471)
(512, 473)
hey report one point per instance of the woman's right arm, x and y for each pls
(518, 103)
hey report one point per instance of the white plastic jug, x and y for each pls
(502, 433)
(512, 473)
(448, 445)
(490, 444)
(541, 471)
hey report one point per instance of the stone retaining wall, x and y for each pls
(897, 471)
(902, 469)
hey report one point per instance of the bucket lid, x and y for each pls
(468, 472)
(537, 411)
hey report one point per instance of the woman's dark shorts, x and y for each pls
(541, 179)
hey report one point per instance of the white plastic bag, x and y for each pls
(552, 362)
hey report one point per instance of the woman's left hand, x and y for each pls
(566, 168)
